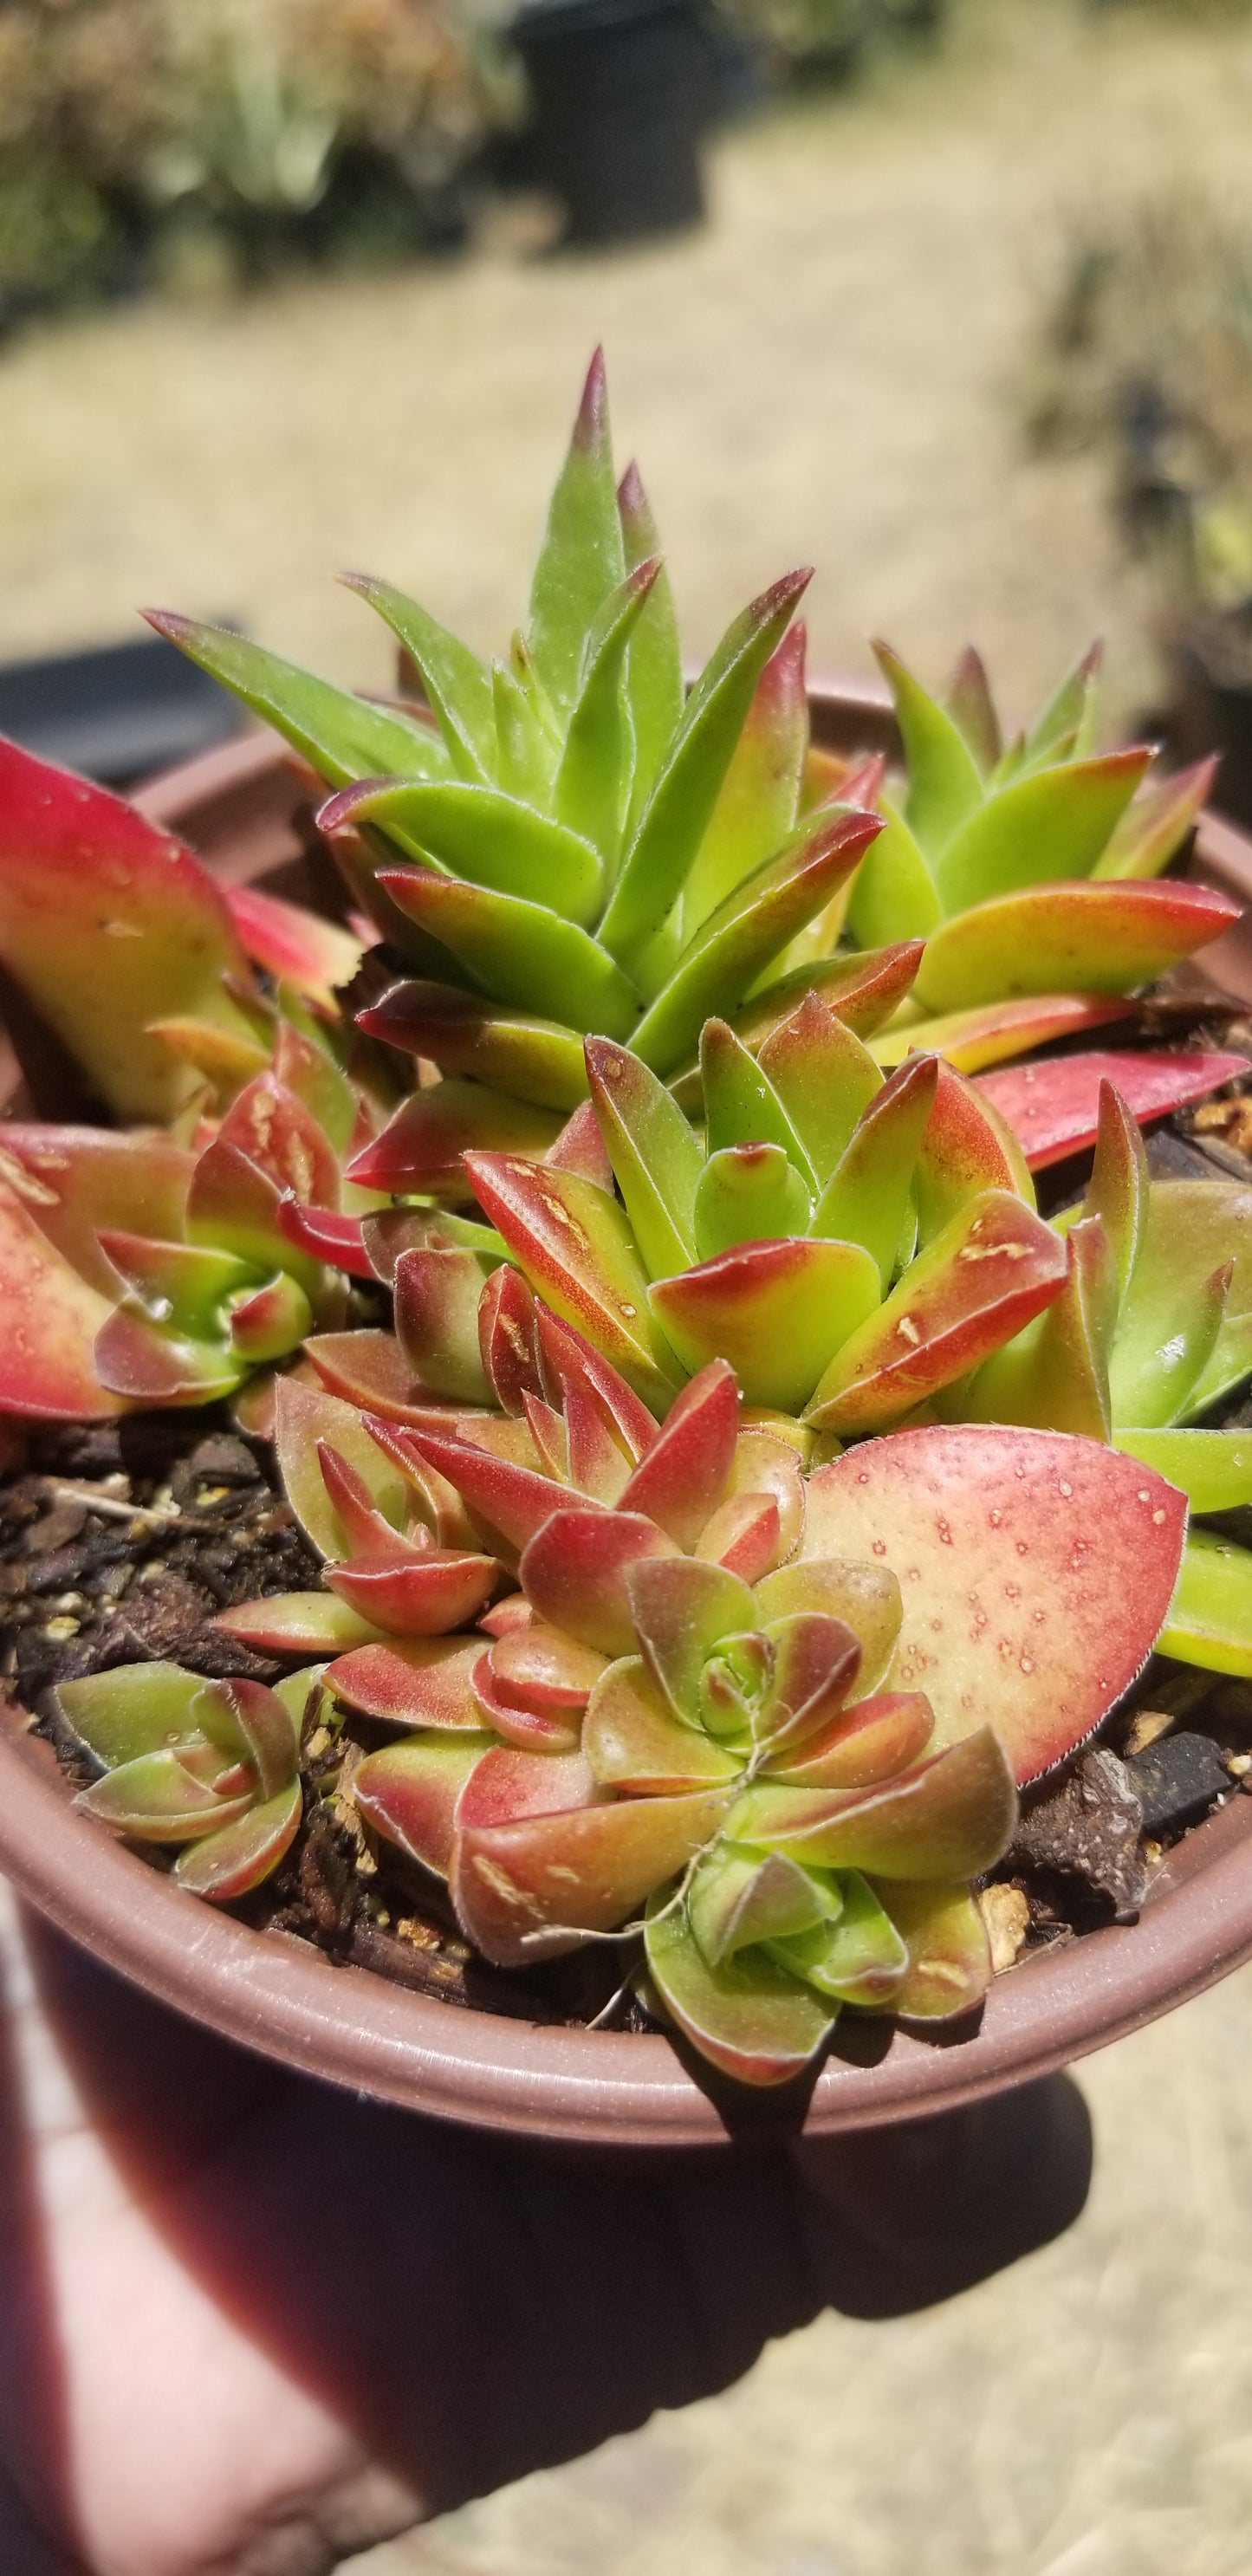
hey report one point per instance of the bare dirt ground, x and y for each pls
(828, 373)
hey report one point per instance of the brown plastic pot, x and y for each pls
(242, 808)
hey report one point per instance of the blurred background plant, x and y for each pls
(204, 140)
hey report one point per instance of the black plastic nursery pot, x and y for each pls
(246, 809)
(619, 89)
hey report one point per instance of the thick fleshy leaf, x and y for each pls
(591, 791)
(816, 1661)
(323, 1235)
(1098, 938)
(972, 708)
(865, 1595)
(767, 1464)
(1035, 1571)
(1054, 1107)
(1161, 1368)
(49, 1321)
(678, 811)
(541, 1669)
(971, 1039)
(515, 950)
(774, 1310)
(825, 1079)
(408, 1793)
(526, 1890)
(303, 1624)
(858, 1959)
(748, 1194)
(481, 836)
(1117, 1191)
(654, 680)
(342, 737)
(84, 878)
(1156, 825)
(893, 893)
(507, 1339)
(506, 1497)
(741, 1105)
(232, 1206)
(294, 946)
(749, 2017)
(1048, 825)
(689, 1465)
(949, 1967)
(574, 1573)
(1209, 1621)
(867, 1198)
(634, 1742)
(860, 1745)
(146, 1364)
(182, 1284)
(271, 1322)
(514, 1052)
(75, 1179)
(995, 1266)
(436, 1305)
(945, 784)
(567, 1358)
(456, 684)
(1212, 1468)
(509, 1783)
(760, 793)
(526, 1730)
(421, 1146)
(682, 1610)
(864, 991)
(577, 1251)
(582, 557)
(131, 1710)
(303, 1416)
(1056, 1372)
(423, 1683)
(243, 1718)
(741, 939)
(656, 1159)
(229, 1864)
(158, 1798)
(416, 1596)
(949, 1817)
(367, 1369)
(967, 1148)
(737, 1898)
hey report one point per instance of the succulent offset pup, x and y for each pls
(728, 1166)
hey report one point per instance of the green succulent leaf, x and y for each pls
(457, 685)
(749, 2017)
(1212, 1468)
(949, 1817)
(972, 709)
(825, 1079)
(776, 1311)
(343, 738)
(868, 1196)
(230, 1863)
(518, 951)
(654, 680)
(1069, 713)
(1056, 1373)
(1054, 823)
(1209, 1621)
(133, 1710)
(656, 1159)
(1101, 938)
(582, 557)
(945, 783)
(592, 787)
(748, 1194)
(760, 797)
(1184, 1336)
(741, 1106)
(893, 894)
(1152, 829)
(859, 1958)
(738, 1897)
(949, 1967)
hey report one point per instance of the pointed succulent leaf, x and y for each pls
(858, 1746)
(1117, 1191)
(293, 945)
(514, 1052)
(566, 1357)
(421, 1146)
(1067, 710)
(893, 894)
(967, 1148)
(1056, 1373)
(733, 948)
(507, 1339)
(527, 1890)
(682, 1610)
(271, 1125)
(688, 1468)
(678, 811)
(1152, 830)
(437, 1296)
(949, 1967)
(416, 1595)
(482, 836)
(341, 737)
(159, 1799)
(598, 1464)
(1035, 1572)
(949, 1817)
(251, 1722)
(131, 1710)
(1182, 1338)
(576, 1249)
(825, 1079)
(408, 1793)
(367, 1369)
(972, 709)
(945, 785)
(867, 1197)
(592, 785)
(760, 795)
(1212, 1468)
(49, 1323)
(972, 1039)
(85, 877)
(866, 1596)
(748, 1194)
(863, 991)
(306, 1624)
(751, 2018)
(976, 1284)
(509, 1500)
(146, 1363)
(655, 1157)
(776, 1311)
(517, 951)
(1050, 824)
(1209, 1620)
(231, 1862)
(741, 1106)
(582, 557)
(574, 1573)
(525, 753)
(635, 1744)
(860, 1958)
(1102, 938)
(654, 680)
(303, 1416)
(738, 1897)
(1053, 1107)
(455, 681)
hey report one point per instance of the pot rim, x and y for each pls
(277, 1994)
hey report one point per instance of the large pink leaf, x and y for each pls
(1036, 1570)
(1053, 1107)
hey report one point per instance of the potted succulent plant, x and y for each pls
(675, 1511)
